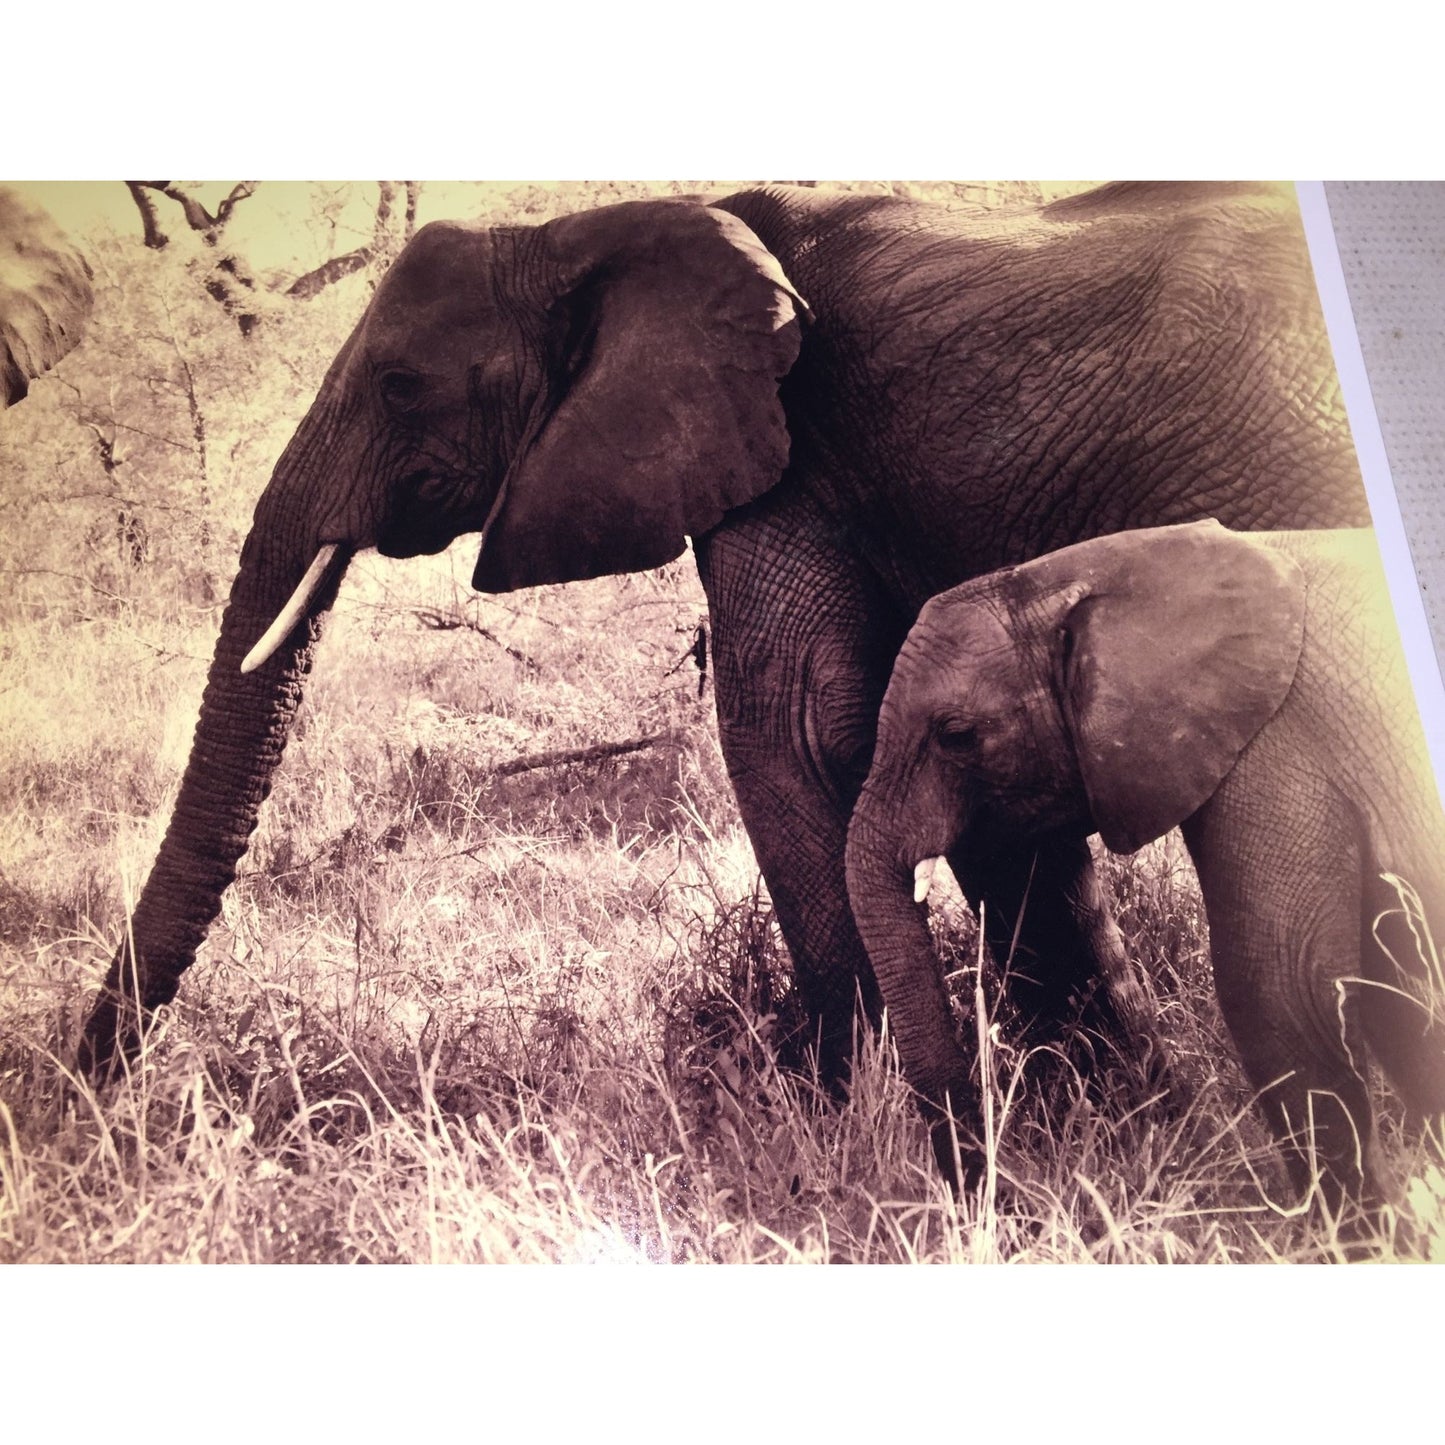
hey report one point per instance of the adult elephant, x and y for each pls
(45, 294)
(956, 392)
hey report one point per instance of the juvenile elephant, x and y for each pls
(1250, 688)
(849, 404)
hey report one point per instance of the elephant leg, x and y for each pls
(803, 642)
(1047, 920)
(1283, 895)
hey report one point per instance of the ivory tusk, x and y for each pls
(293, 611)
(923, 878)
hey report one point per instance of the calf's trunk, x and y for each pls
(894, 928)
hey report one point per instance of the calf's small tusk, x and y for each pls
(292, 612)
(923, 878)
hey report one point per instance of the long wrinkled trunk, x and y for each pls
(883, 849)
(895, 932)
(239, 739)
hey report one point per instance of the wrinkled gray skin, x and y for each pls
(1250, 688)
(849, 404)
(45, 294)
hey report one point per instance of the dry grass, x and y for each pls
(451, 1015)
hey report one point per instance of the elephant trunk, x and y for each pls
(886, 887)
(240, 735)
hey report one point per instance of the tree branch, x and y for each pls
(318, 280)
(229, 271)
(382, 248)
(65, 576)
(563, 756)
(382, 225)
(155, 238)
(239, 192)
(450, 622)
(198, 218)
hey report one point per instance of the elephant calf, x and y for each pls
(1250, 688)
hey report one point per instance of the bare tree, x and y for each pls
(379, 252)
(229, 280)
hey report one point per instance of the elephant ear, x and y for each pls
(664, 413)
(1180, 644)
(45, 295)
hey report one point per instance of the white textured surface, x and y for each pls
(1391, 239)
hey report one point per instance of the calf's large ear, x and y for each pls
(1181, 645)
(663, 411)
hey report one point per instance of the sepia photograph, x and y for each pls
(701, 721)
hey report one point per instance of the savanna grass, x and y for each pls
(451, 1015)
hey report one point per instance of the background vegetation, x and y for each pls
(498, 979)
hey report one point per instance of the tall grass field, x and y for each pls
(498, 980)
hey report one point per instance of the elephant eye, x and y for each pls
(401, 390)
(954, 735)
(431, 489)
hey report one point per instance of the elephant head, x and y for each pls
(45, 295)
(1108, 687)
(585, 394)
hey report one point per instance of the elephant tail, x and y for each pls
(1402, 1006)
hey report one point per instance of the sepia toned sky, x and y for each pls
(274, 228)
(277, 227)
